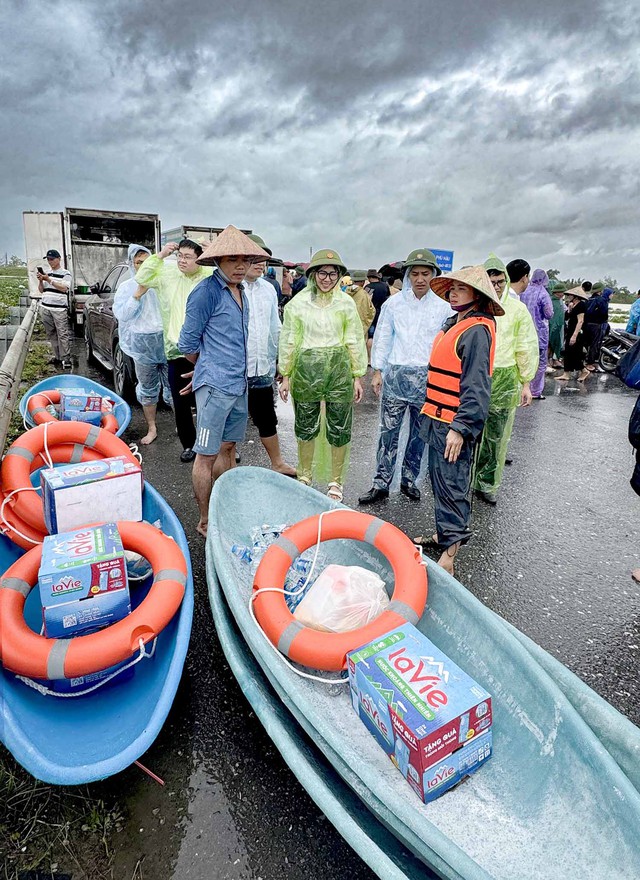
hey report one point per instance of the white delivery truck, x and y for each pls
(201, 234)
(90, 241)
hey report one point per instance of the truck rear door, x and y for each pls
(42, 230)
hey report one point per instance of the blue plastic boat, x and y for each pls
(559, 798)
(69, 741)
(121, 410)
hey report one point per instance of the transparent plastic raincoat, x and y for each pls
(322, 350)
(401, 349)
(139, 320)
(172, 288)
(516, 362)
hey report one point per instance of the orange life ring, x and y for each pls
(20, 532)
(26, 653)
(16, 465)
(322, 650)
(37, 408)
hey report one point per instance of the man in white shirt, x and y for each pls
(262, 352)
(55, 287)
(407, 326)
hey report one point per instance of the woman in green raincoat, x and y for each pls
(515, 365)
(322, 356)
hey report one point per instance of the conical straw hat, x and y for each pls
(579, 292)
(474, 276)
(232, 242)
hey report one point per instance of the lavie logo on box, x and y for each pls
(66, 585)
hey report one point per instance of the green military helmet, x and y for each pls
(358, 275)
(260, 242)
(598, 287)
(422, 257)
(326, 257)
(557, 287)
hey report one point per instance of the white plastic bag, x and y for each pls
(344, 597)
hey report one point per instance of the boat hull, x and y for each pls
(121, 410)
(530, 803)
(70, 741)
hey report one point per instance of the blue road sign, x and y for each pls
(444, 259)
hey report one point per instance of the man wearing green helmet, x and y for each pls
(406, 328)
(322, 355)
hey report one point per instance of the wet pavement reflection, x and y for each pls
(553, 557)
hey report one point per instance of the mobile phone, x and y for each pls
(40, 270)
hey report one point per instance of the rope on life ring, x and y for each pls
(326, 650)
(37, 407)
(20, 509)
(34, 656)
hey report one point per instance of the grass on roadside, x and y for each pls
(49, 829)
(36, 367)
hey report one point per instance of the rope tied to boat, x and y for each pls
(330, 681)
(47, 692)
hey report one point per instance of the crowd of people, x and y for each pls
(215, 332)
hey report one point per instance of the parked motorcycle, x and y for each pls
(615, 345)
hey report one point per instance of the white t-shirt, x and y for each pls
(53, 297)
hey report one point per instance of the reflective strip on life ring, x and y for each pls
(37, 408)
(26, 653)
(17, 463)
(327, 651)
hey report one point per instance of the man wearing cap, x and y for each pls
(556, 324)
(173, 282)
(262, 355)
(355, 289)
(516, 363)
(300, 280)
(407, 326)
(595, 321)
(55, 287)
(214, 338)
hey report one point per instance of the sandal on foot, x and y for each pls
(335, 491)
(304, 480)
(430, 541)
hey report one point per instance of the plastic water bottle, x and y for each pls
(402, 756)
(242, 553)
(301, 565)
(464, 727)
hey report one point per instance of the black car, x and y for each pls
(101, 335)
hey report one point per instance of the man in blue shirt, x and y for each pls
(214, 338)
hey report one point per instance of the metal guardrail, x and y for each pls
(11, 370)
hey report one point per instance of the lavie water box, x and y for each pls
(83, 581)
(80, 405)
(77, 494)
(419, 706)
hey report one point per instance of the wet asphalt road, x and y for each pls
(554, 558)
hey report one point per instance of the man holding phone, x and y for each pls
(55, 287)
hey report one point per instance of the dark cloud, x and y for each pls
(371, 127)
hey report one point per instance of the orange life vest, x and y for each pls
(445, 369)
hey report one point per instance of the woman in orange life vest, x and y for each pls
(457, 401)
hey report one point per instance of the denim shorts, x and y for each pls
(222, 418)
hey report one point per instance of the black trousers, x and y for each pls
(182, 403)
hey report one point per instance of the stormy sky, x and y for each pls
(370, 127)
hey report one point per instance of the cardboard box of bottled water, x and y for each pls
(80, 405)
(83, 581)
(421, 708)
(76, 494)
